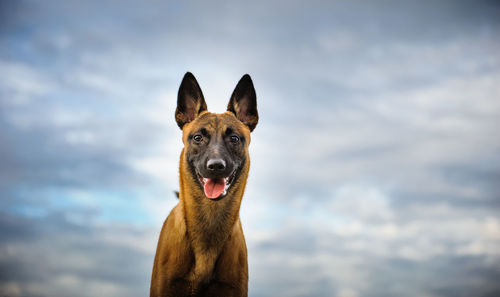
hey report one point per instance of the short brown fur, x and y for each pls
(201, 250)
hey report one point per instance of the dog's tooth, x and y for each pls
(205, 179)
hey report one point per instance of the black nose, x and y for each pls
(216, 165)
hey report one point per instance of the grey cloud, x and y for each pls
(435, 277)
(35, 157)
(333, 261)
(50, 256)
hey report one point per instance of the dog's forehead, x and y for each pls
(216, 121)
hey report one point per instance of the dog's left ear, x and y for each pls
(243, 102)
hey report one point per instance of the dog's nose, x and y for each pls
(216, 165)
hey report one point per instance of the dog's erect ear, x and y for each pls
(243, 102)
(190, 101)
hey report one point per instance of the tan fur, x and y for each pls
(201, 250)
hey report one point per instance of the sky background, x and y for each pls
(375, 163)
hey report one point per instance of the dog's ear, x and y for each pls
(243, 102)
(190, 101)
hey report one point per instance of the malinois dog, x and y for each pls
(202, 250)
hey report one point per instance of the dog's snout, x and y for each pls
(216, 165)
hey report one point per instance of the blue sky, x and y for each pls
(375, 164)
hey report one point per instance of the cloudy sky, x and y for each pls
(375, 164)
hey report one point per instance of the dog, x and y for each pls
(201, 250)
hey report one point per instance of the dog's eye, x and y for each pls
(235, 139)
(198, 138)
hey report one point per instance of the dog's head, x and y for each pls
(216, 145)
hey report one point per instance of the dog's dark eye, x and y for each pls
(235, 139)
(198, 138)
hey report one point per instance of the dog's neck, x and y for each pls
(209, 223)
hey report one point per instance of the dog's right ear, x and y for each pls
(190, 101)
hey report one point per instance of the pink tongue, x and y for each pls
(214, 187)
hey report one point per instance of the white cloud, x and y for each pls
(361, 202)
(21, 83)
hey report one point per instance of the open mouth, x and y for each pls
(216, 187)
